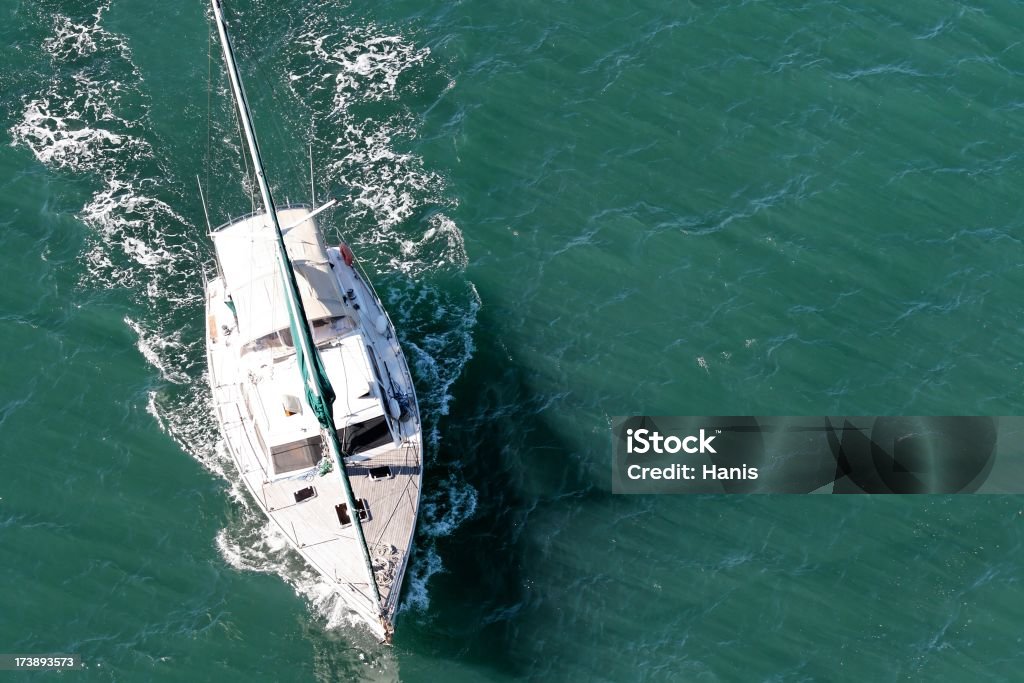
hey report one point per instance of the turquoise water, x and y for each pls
(574, 210)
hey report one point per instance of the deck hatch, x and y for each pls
(297, 455)
(305, 494)
(382, 472)
(365, 436)
(345, 518)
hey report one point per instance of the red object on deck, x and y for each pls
(346, 254)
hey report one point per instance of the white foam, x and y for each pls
(362, 61)
(364, 64)
(72, 40)
(155, 349)
(71, 123)
(442, 514)
(59, 139)
(417, 596)
(441, 246)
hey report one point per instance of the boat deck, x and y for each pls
(313, 526)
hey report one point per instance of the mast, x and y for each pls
(319, 393)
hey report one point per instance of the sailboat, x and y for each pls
(312, 392)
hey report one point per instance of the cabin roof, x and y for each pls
(350, 375)
(246, 251)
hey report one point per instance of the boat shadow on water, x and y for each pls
(484, 603)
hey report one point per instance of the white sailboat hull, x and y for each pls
(367, 368)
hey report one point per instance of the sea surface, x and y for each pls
(573, 210)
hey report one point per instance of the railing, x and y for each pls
(252, 214)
